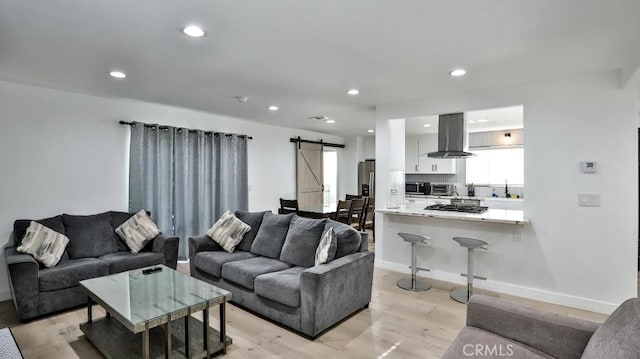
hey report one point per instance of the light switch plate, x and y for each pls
(589, 199)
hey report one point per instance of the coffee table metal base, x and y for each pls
(115, 341)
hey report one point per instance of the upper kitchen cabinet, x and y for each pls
(416, 160)
(411, 153)
(428, 165)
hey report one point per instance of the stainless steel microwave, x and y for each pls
(417, 188)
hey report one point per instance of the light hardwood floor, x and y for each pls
(397, 324)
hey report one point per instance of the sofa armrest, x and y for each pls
(332, 291)
(168, 246)
(557, 335)
(23, 280)
(201, 243)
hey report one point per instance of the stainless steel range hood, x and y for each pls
(452, 137)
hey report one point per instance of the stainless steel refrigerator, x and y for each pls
(367, 178)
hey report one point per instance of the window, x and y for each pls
(330, 169)
(495, 166)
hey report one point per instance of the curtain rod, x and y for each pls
(298, 140)
(167, 127)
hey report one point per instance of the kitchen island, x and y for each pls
(506, 263)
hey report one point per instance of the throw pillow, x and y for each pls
(271, 235)
(617, 336)
(301, 241)
(327, 248)
(228, 231)
(137, 231)
(44, 244)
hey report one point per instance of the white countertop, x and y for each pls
(505, 216)
(465, 197)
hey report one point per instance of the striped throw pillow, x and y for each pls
(44, 244)
(228, 231)
(326, 250)
(137, 231)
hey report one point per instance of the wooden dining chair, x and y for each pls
(288, 206)
(358, 206)
(343, 212)
(369, 218)
(349, 197)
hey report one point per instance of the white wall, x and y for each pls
(64, 152)
(569, 254)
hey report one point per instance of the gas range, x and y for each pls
(457, 208)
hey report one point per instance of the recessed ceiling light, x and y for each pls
(193, 31)
(353, 92)
(330, 121)
(426, 125)
(472, 121)
(483, 120)
(117, 74)
(370, 131)
(457, 73)
(273, 108)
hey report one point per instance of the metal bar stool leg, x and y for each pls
(463, 295)
(413, 284)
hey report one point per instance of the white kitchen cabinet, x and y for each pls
(428, 165)
(411, 154)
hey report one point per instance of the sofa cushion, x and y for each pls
(228, 231)
(302, 240)
(476, 343)
(282, 287)
(44, 244)
(124, 261)
(271, 235)
(254, 219)
(138, 230)
(89, 236)
(617, 337)
(67, 274)
(20, 226)
(244, 272)
(211, 262)
(347, 238)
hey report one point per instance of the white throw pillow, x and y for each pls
(228, 231)
(137, 231)
(44, 244)
(322, 252)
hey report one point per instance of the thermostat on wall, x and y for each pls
(589, 166)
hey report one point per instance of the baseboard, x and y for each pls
(5, 294)
(510, 289)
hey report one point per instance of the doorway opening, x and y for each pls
(330, 181)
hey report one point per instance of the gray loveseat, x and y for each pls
(498, 328)
(94, 250)
(272, 273)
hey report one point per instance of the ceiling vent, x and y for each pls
(318, 118)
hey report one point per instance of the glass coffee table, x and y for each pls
(143, 312)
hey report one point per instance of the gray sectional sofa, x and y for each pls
(94, 250)
(498, 328)
(272, 273)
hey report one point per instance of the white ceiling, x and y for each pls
(304, 55)
(477, 121)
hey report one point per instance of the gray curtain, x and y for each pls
(186, 178)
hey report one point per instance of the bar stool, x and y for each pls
(462, 295)
(413, 284)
